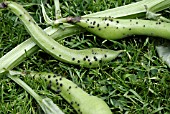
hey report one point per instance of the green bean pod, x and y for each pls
(82, 102)
(87, 57)
(113, 29)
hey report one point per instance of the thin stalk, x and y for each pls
(57, 9)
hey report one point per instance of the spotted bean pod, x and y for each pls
(87, 58)
(112, 29)
(82, 102)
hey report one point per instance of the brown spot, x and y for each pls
(73, 19)
(3, 5)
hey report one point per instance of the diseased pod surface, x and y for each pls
(87, 57)
(112, 29)
(82, 102)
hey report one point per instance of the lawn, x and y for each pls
(135, 82)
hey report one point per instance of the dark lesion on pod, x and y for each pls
(100, 61)
(95, 58)
(49, 76)
(71, 102)
(94, 22)
(90, 26)
(73, 59)
(98, 25)
(61, 84)
(84, 59)
(54, 76)
(117, 21)
(60, 78)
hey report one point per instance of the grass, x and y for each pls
(136, 82)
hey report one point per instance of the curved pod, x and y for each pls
(112, 29)
(87, 57)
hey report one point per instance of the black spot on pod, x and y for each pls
(73, 58)
(111, 20)
(90, 63)
(76, 87)
(49, 76)
(136, 22)
(99, 29)
(71, 102)
(69, 87)
(94, 22)
(98, 25)
(52, 47)
(143, 25)
(86, 56)
(60, 78)
(105, 55)
(117, 21)
(87, 19)
(61, 85)
(78, 61)
(59, 55)
(84, 59)
(90, 26)
(107, 24)
(20, 15)
(95, 58)
(54, 76)
(130, 29)
(100, 61)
